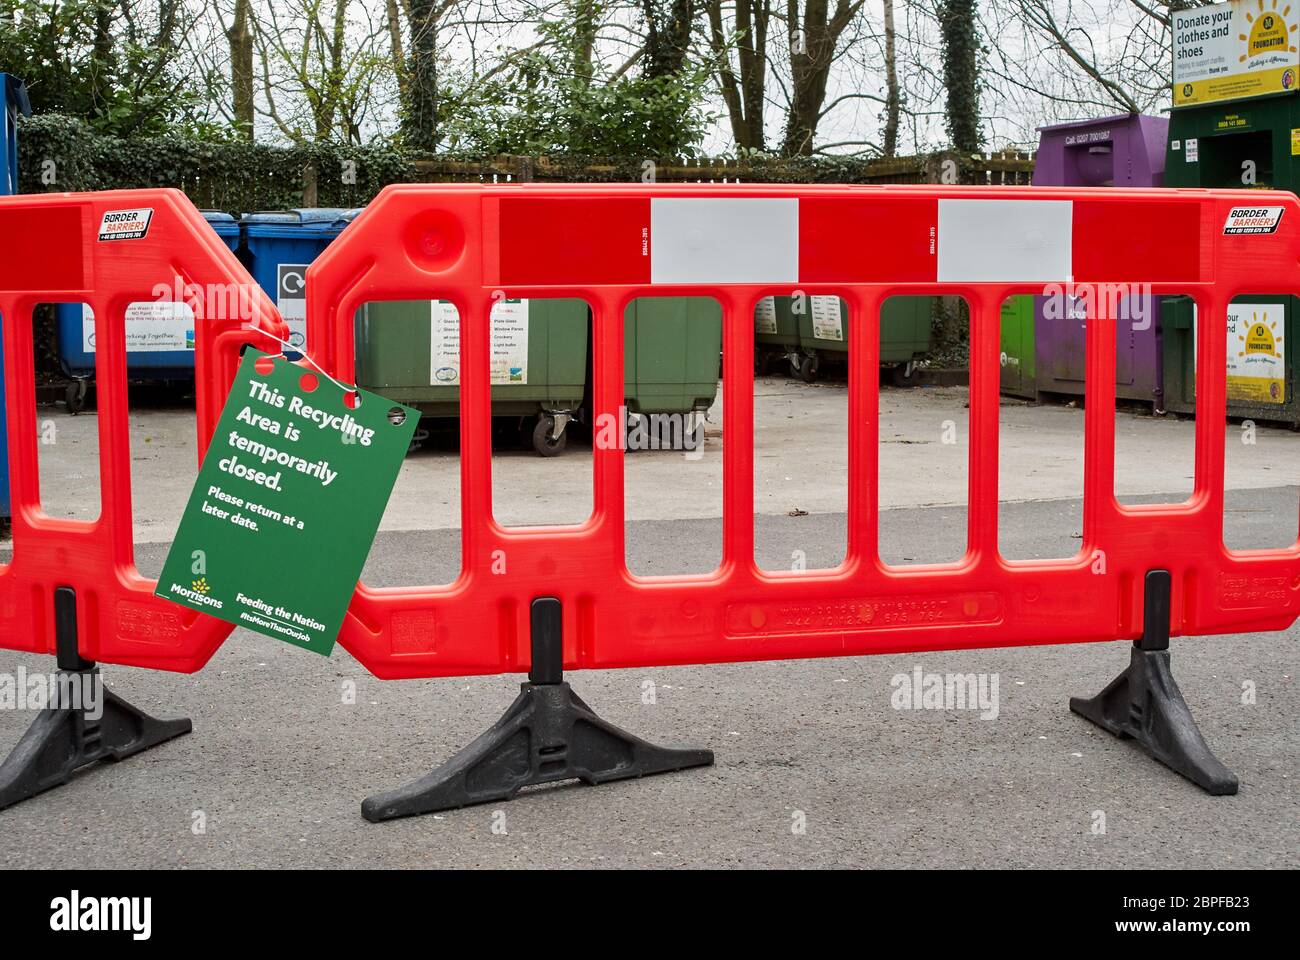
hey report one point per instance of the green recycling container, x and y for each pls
(904, 335)
(1018, 378)
(1210, 145)
(776, 332)
(672, 354)
(409, 351)
(1253, 142)
(1261, 357)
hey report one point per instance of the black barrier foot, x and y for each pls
(88, 722)
(1145, 704)
(63, 739)
(547, 735)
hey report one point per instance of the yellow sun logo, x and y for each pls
(201, 585)
(1260, 338)
(1269, 32)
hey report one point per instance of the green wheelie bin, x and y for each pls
(776, 332)
(672, 356)
(409, 351)
(904, 335)
(1017, 329)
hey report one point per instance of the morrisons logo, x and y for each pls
(194, 596)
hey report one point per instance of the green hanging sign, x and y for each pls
(287, 503)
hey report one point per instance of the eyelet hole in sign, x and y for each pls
(397, 416)
(351, 399)
(308, 382)
(263, 366)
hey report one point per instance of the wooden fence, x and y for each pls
(1006, 167)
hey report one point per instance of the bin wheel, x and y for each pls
(417, 440)
(903, 375)
(544, 443)
(805, 367)
(75, 396)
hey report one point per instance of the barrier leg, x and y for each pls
(548, 734)
(88, 723)
(1145, 704)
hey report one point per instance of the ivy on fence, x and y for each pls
(60, 153)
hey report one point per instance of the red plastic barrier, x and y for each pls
(610, 244)
(84, 248)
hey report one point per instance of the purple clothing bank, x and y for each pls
(1122, 151)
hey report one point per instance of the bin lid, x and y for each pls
(1111, 121)
(1125, 150)
(298, 222)
(222, 222)
(15, 93)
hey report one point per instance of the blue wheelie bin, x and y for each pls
(279, 246)
(15, 100)
(226, 226)
(159, 336)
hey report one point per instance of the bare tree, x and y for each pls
(961, 73)
(394, 16)
(586, 22)
(892, 101)
(320, 63)
(240, 37)
(1048, 64)
(813, 41)
(742, 87)
(420, 119)
(851, 77)
(668, 28)
(1039, 15)
(101, 51)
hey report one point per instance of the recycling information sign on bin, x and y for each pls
(1243, 48)
(827, 322)
(154, 326)
(291, 299)
(508, 353)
